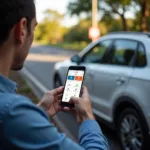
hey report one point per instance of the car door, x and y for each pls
(91, 60)
(112, 75)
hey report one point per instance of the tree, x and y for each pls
(118, 7)
(53, 15)
(108, 7)
(78, 33)
(50, 29)
(143, 13)
(110, 24)
(77, 7)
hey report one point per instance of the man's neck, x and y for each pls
(6, 57)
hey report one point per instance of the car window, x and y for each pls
(122, 52)
(141, 56)
(97, 52)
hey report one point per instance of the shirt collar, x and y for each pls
(6, 85)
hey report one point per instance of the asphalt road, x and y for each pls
(43, 69)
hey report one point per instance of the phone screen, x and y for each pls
(73, 84)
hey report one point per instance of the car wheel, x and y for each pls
(57, 81)
(131, 130)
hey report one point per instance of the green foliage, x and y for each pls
(25, 89)
(117, 3)
(53, 15)
(107, 6)
(76, 7)
(50, 29)
(110, 23)
(116, 7)
(79, 32)
(72, 45)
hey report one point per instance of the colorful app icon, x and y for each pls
(71, 77)
(78, 78)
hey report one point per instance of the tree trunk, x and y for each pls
(124, 22)
(144, 15)
(144, 23)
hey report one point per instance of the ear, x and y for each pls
(21, 30)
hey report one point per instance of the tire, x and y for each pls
(57, 81)
(132, 130)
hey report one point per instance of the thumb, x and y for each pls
(74, 100)
(85, 92)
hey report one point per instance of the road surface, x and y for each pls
(40, 63)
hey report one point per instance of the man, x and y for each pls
(24, 126)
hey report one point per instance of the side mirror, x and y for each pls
(76, 59)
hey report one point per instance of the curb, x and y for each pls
(39, 89)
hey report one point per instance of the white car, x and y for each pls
(118, 79)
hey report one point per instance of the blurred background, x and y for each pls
(111, 38)
(66, 23)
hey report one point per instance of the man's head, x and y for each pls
(18, 20)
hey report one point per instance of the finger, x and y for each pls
(57, 104)
(60, 97)
(57, 91)
(85, 90)
(74, 100)
(67, 109)
(85, 93)
(57, 99)
(61, 87)
(58, 108)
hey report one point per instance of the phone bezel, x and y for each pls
(67, 104)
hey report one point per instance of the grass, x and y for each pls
(72, 46)
(75, 46)
(23, 88)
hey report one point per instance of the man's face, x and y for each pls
(22, 50)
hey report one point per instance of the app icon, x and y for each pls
(71, 77)
(78, 78)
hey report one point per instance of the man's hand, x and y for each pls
(83, 107)
(51, 101)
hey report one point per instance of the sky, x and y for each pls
(59, 5)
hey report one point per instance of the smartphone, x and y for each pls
(73, 85)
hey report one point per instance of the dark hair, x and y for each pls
(11, 12)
